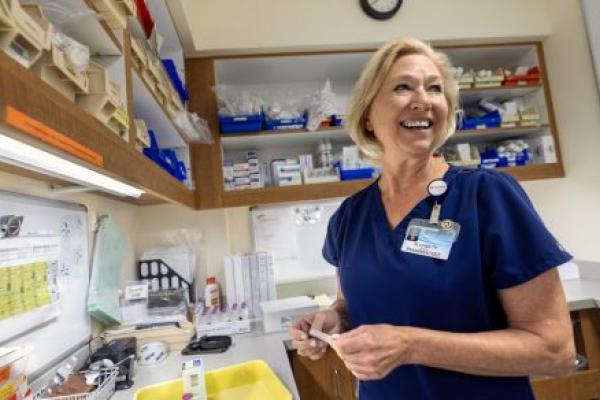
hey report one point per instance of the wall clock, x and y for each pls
(381, 9)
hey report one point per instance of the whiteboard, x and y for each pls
(52, 340)
(294, 234)
(591, 15)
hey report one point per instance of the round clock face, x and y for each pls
(380, 9)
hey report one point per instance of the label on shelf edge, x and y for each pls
(46, 134)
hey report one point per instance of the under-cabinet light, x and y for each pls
(23, 155)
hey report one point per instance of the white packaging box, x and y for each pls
(241, 166)
(278, 315)
(241, 180)
(289, 180)
(192, 372)
(306, 162)
(241, 174)
(350, 159)
(542, 149)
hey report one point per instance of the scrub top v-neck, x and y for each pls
(502, 243)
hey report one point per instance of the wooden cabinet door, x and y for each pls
(324, 379)
(584, 385)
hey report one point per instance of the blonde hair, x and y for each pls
(371, 80)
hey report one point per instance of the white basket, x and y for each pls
(105, 389)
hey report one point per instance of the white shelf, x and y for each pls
(279, 139)
(146, 107)
(495, 134)
(83, 25)
(502, 93)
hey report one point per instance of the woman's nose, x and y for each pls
(419, 101)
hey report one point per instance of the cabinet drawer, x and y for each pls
(584, 385)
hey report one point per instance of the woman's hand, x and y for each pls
(373, 351)
(327, 321)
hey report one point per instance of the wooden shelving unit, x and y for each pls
(26, 92)
(281, 194)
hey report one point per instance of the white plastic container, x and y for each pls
(278, 315)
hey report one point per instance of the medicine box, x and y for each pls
(279, 314)
(281, 124)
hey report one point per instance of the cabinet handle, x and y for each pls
(580, 362)
(336, 383)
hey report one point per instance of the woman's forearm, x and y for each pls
(509, 352)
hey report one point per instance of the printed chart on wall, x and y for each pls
(44, 274)
(294, 234)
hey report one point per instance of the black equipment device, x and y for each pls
(118, 350)
(207, 345)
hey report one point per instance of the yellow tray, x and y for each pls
(253, 380)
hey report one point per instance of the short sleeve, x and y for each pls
(332, 245)
(516, 244)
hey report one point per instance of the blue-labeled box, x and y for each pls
(286, 123)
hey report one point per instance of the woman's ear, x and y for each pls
(369, 126)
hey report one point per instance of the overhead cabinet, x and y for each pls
(104, 109)
(507, 120)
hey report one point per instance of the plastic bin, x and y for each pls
(281, 124)
(337, 120)
(241, 123)
(165, 158)
(489, 120)
(353, 174)
(145, 17)
(253, 380)
(175, 80)
(531, 78)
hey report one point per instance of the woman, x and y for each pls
(470, 304)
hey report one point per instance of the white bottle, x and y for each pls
(212, 296)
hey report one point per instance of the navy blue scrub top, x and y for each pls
(502, 243)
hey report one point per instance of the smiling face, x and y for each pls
(409, 113)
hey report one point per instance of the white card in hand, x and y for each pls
(321, 336)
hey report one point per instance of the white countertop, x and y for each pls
(580, 293)
(253, 346)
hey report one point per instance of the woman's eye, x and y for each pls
(401, 87)
(435, 88)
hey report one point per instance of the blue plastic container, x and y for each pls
(489, 120)
(337, 120)
(241, 123)
(353, 174)
(280, 124)
(174, 77)
(165, 158)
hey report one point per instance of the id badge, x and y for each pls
(430, 240)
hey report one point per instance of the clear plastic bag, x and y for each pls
(233, 101)
(322, 104)
(63, 17)
(77, 53)
(195, 128)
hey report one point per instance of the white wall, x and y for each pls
(571, 206)
(253, 26)
(219, 232)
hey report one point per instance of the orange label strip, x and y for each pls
(46, 134)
